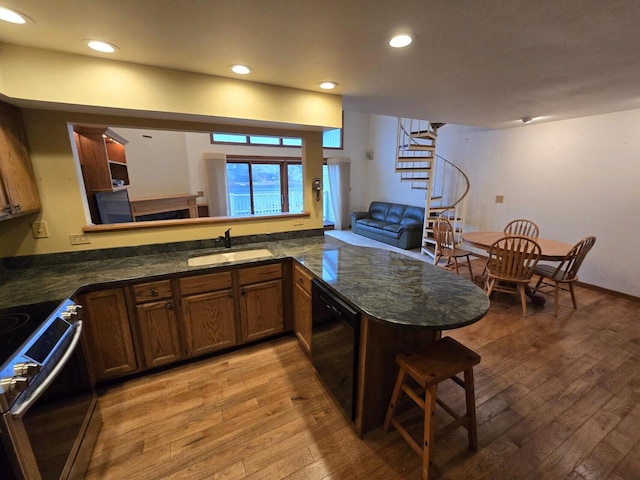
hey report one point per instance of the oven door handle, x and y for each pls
(23, 407)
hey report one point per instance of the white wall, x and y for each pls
(156, 162)
(378, 179)
(573, 178)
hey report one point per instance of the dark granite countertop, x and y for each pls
(384, 285)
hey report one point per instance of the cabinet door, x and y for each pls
(5, 206)
(158, 333)
(261, 309)
(209, 322)
(302, 317)
(108, 333)
(302, 306)
(16, 173)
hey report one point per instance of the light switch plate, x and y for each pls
(40, 230)
(499, 198)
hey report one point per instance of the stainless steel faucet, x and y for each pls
(226, 240)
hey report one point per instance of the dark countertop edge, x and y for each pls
(278, 255)
(65, 258)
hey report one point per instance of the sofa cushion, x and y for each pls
(394, 227)
(413, 215)
(394, 215)
(369, 222)
(379, 230)
(378, 210)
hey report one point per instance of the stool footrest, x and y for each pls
(414, 396)
(407, 436)
(448, 409)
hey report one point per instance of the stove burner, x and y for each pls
(12, 321)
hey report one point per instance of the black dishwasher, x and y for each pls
(335, 337)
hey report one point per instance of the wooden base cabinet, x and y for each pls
(208, 312)
(302, 307)
(108, 333)
(261, 304)
(157, 323)
(145, 325)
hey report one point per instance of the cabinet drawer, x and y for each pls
(302, 278)
(145, 292)
(205, 283)
(260, 274)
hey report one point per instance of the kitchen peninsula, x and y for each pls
(405, 303)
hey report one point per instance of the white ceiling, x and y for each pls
(475, 62)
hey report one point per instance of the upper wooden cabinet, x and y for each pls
(103, 162)
(18, 191)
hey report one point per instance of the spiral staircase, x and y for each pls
(446, 186)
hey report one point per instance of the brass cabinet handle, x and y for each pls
(169, 306)
(154, 292)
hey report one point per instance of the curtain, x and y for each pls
(215, 171)
(339, 171)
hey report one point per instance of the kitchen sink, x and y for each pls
(229, 257)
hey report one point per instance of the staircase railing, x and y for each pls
(446, 185)
(448, 197)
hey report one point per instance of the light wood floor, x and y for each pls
(557, 398)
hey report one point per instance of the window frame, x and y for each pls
(282, 161)
(248, 143)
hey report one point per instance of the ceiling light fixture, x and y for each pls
(327, 85)
(12, 16)
(400, 41)
(240, 69)
(100, 46)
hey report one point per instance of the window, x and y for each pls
(331, 139)
(264, 186)
(328, 217)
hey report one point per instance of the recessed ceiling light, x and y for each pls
(12, 16)
(102, 47)
(327, 85)
(400, 41)
(240, 69)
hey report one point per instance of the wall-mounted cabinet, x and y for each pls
(103, 162)
(18, 191)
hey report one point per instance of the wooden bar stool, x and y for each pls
(441, 361)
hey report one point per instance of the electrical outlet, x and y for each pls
(79, 239)
(200, 193)
(298, 221)
(40, 230)
(499, 198)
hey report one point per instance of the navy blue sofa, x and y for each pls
(392, 223)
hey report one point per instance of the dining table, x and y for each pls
(550, 251)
